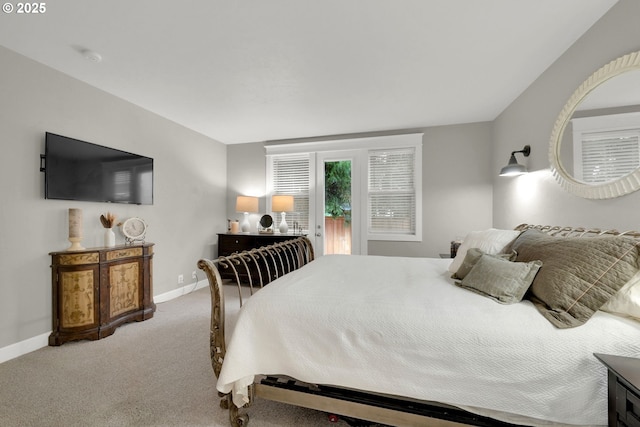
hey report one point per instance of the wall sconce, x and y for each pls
(282, 204)
(514, 168)
(246, 204)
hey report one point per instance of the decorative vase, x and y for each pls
(109, 238)
(75, 229)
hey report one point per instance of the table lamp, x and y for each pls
(246, 204)
(282, 204)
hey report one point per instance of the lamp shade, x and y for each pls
(282, 203)
(246, 204)
(513, 168)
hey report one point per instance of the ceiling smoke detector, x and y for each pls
(91, 55)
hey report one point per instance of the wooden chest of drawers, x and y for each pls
(96, 290)
(231, 243)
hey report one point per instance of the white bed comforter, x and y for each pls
(400, 326)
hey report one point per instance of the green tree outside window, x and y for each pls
(337, 181)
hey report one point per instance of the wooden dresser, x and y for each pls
(229, 243)
(96, 290)
(624, 390)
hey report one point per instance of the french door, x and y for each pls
(338, 208)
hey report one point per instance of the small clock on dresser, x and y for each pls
(134, 229)
(265, 225)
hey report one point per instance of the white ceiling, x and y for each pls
(255, 70)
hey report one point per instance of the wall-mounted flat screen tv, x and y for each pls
(79, 170)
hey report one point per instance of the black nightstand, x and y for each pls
(623, 390)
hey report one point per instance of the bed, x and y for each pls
(502, 335)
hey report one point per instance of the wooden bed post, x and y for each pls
(217, 343)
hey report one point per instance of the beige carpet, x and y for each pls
(152, 373)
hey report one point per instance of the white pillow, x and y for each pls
(626, 302)
(491, 241)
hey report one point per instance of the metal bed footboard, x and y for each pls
(255, 268)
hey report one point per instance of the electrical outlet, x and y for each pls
(180, 279)
(194, 275)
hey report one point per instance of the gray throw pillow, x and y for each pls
(501, 280)
(472, 257)
(579, 274)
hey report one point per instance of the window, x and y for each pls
(290, 175)
(392, 192)
(391, 165)
(608, 155)
(606, 147)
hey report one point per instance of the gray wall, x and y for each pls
(457, 185)
(190, 187)
(537, 198)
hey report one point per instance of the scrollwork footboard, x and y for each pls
(255, 269)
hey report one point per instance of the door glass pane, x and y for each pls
(337, 207)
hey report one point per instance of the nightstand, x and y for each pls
(623, 390)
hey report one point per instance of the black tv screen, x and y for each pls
(79, 170)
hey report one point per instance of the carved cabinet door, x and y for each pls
(122, 293)
(78, 302)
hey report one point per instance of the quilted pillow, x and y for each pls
(499, 279)
(491, 241)
(473, 256)
(579, 274)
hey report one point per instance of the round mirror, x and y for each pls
(266, 221)
(595, 144)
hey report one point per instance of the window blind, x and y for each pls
(392, 191)
(609, 155)
(291, 176)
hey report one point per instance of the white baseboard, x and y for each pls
(23, 347)
(168, 296)
(34, 343)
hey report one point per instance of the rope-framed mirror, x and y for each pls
(611, 76)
